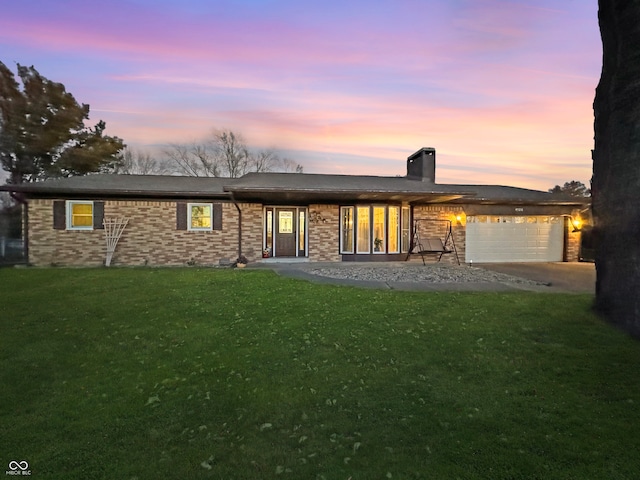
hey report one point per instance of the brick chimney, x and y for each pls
(422, 165)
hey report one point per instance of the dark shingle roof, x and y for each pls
(502, 194)
(127, 185)
(287, 187)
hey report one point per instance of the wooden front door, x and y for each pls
(285, 229)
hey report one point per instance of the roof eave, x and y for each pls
(44, 192)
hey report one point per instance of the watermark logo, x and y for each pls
(18, 468)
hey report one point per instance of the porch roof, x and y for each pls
(305, 187)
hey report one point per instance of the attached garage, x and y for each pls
(510, 238)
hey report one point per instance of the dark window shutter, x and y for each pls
(217, 216)
(181, 216)
(98, 215)
(59, 215)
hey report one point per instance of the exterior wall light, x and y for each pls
(577, 224)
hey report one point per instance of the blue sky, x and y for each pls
(502, 89)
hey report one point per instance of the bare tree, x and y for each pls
(135, 162)
(225, 154)
(289, 166)
(193, 159)
(263, 161)
(232, 152)
(616, 166)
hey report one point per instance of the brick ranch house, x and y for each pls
(174, 220)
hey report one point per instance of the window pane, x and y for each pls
(82, 215)
(346, 225)
(301, 239)
(269, 230)
(394, 229)
(82, 221)
(406, 228)
(378, 229)
(364, 234)
(285, 222)
(201, 216)
(82, 209)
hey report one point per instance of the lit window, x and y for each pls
(406, 228)
(364, 232)
(80, 215)
(346, 230)
(200, 216)
(379, 233)
(269, 233)
(301, 237)
(394, 229)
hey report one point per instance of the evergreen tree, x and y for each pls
(42, 131)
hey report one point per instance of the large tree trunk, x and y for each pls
(616, 166)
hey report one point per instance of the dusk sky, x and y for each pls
(502, 89)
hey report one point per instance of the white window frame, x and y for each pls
(405, 228)
(69, 214)
(360, 208)
(189, 223)
(383, 239)
(395, 233)
(347, 249)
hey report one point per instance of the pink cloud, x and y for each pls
(495, 86)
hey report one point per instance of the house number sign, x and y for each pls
(285, 222)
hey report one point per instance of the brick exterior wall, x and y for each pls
(252, 225)
(324, 233)
(150, 238)
(572, 247)
(437, 227)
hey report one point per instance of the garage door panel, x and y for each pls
(515, 240)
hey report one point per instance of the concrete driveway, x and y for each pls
(575, 277)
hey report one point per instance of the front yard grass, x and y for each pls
(228, 374)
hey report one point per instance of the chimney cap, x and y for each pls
(427, 150)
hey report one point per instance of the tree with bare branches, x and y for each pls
(193, 159)
(290, 166)
(136, 162)
(232, 153)
(225, 154)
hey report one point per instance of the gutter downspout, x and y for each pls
(25, 223)
(239, 226)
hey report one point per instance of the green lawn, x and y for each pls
(231, 374)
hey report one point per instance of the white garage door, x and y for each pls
(514, 239)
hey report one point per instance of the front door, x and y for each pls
(285, 228)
